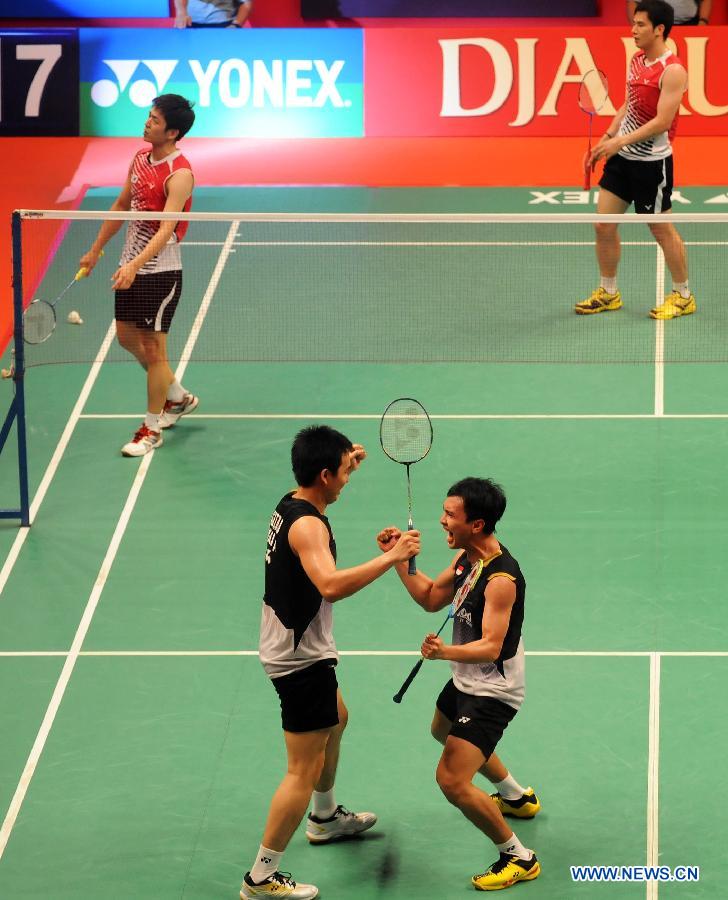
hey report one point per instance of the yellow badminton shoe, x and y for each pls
(675, 305)
(600, 301)
(525, 807)
(507, 871)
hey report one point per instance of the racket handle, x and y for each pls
(408, 681)
(412, 566)
(83, 271)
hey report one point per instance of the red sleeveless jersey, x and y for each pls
(644, 84)
(149, 194)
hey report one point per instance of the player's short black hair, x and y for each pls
(659, 12)
(482, 499)
(316, 448)
(177, 111)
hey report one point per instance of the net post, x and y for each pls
(19, 373)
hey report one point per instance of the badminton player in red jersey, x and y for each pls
(638, 152)
(148, 282)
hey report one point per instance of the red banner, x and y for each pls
(523, 81)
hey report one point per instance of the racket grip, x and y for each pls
(408, 681)
(412, 566)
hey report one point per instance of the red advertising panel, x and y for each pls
(523, 81)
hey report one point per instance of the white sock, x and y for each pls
(609, 284)
(324, 805)
(682, 289)
(175, 392)
(509, 788)
(265, 864)
(514, 848)
(151, 420)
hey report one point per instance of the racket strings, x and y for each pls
(406, 432)
(593, 91)
(39, 320)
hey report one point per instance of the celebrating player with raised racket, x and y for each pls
(487, 660)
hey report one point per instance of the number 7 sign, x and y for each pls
(39, 83)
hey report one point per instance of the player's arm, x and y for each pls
(243, 13)
(704, 9)
(309, 540)
(631, 6)
(108, 229)
(430, 595)
(182, 18)
(500, 595)
(179, 188)
(674, 82)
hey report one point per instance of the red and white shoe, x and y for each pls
(143, 441)
(172, 412)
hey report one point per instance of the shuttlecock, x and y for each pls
(74, 318)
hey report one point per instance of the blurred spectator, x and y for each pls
(212, 13)
(687, 12)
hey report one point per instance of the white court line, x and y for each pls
(88, 613)
(473, 416)
(50, 471)
(659, 334)
(437, 243)
(555, 653)
(653, 771)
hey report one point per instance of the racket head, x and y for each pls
(593, 91)
(405, 431)
(465, 588)
(39, 322)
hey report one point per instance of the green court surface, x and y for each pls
(141, 740)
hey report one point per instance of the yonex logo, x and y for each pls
(106, 92)
(463, 720)
(283, 84)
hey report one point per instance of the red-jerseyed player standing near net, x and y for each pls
(148, 282)
(638, 155)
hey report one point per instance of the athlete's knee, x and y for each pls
(452, 785)
(307, 769)
(605, 231)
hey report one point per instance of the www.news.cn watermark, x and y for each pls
(635, 873)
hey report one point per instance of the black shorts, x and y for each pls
(308, 697)
(480, 721)
(151, 301)
(646, 184)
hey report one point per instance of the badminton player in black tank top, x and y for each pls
(298, 652)
(487, 660)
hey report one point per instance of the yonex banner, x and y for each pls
(244, 83)
(523, 81)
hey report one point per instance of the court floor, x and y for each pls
(141, 739)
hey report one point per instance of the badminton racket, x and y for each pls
(593, 94)
(460, 595)
(405, 432)
(39, 318)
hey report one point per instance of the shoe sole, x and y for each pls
(315, 839)
(516, 814)
(687, 312)
(138, 455)
(529, 876)
(601, 309)
(189, 409)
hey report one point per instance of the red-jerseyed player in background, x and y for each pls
(148, 282)
(638, 155)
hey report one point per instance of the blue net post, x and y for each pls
(16, 412)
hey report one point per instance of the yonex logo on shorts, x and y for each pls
(463, 720)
